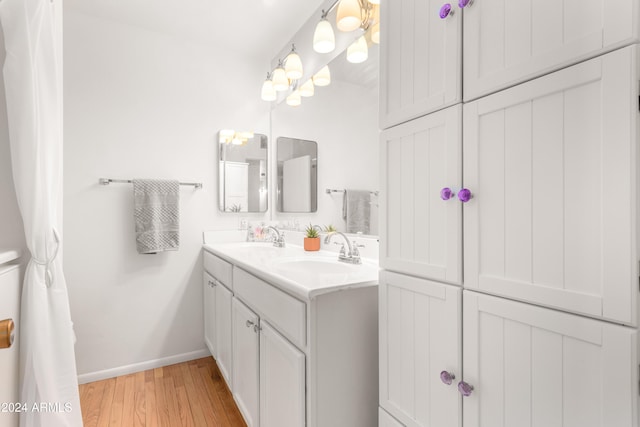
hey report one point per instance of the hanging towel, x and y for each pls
(156, 210)
(356, 210)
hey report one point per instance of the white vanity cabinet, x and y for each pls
(421, 55)
(209, 299)
(552, 164)
(296, 359)
(246, 361)
(420, 233)
(282, 381)
(507, 42)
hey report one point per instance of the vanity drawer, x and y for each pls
(284, 312)
(219, 268)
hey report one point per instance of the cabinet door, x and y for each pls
(420, 60)
(210, 313)
(420, 337)
(223, 332)
(246, 361)
(532, 366)
(552, 164)
(508, 42)
(282, 381)
(420, 233)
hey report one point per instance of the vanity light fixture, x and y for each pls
(280, 81)
(268, 92)
(322, 77)
(293, 65)
(307, 89)
(358, 51)
(324, 40)
(294, 99)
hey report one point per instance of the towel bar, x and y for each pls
(330, 190)
(107, 181)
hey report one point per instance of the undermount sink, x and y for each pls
(324, 265)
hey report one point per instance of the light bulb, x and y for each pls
(293, 65)
(324, 41)
(280, 81)
(268, 92)
(322, 77)
(307, 89)
(349, 16)
(294, 99)
(358, 51)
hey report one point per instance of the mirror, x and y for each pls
(242, 171)
(343, 118)
(297, 175)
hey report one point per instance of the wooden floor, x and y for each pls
(187, 394)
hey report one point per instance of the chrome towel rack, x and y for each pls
(107, 181)
(331, 190)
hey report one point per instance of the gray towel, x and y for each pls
(156, 206)
(356, 210)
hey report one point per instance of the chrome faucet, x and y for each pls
(353, 254)
(278, 240)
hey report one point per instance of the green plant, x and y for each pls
(312, 233)
(330, 228)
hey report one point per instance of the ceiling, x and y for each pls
(259, 28)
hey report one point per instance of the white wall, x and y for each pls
(11, 229)
(142, 104)
(343, 119)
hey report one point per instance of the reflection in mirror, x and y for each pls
(242, 171)
(297, 175)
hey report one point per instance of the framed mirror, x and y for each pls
(297, 175)
(243, 171)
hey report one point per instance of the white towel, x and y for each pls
(356, 211)
(156, 205)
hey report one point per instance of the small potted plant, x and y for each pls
(311, 239)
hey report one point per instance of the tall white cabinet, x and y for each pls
(509, 234)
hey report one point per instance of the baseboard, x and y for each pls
(143, 366)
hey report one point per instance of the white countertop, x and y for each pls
(301, 279)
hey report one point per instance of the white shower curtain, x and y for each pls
(49, 384)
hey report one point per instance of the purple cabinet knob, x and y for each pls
(446, 10)
(447, 377)
(465, 389)
(446, 193)
(464, 195)
(463, 3)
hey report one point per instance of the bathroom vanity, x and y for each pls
(294, 334)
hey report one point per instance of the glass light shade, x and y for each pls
(236, 141)
(324, 41)
(358, 51)
(375, 33)
(226, 135)
(322, 77)
(307, 89)
(293, 66)
(245, 135)
(294, 99)
(268, 92)
(349, 16)
(280, 81)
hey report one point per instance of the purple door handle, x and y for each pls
(464, 3)
(447, 377)
(464, 195)
(446, 193)
(446, 10)
(465, 389)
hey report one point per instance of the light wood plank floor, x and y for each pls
(187, 394)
